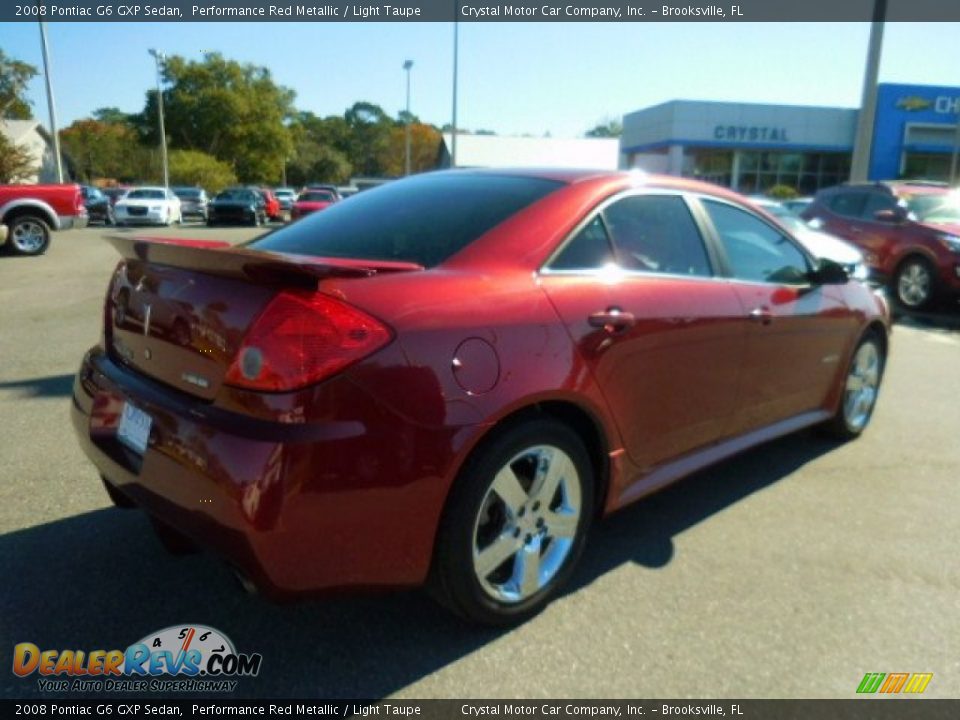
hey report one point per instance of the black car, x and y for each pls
(237, 205)
(99, 207)
(193, 201)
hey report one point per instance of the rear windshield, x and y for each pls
(423, 219)
(316, 196)
(186, 193)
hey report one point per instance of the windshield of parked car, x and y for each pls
(146, 194)
(240, 195)
(935, 207)
(423, 219)
(316, 196)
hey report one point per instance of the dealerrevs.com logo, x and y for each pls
(181, 658)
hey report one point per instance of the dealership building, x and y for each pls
(751, 147)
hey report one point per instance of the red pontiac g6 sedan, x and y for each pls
(448, 378)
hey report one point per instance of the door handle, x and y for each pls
(613, 320)
(761, 315)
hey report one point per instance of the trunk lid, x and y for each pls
(178, 311)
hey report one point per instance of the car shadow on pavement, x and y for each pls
(50, 386)
(944, 317)
(100, 580)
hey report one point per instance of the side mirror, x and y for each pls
(889, 216)
(829, 272)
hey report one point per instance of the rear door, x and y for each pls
(798, 331)
(660, 333)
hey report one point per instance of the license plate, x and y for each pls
(134, 431)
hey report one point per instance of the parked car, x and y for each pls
(324, 186)
(31, 212)
(820, 244)
(449, 377)
(310, 201)
(286, 197)
(99, 207)
(909, 232)
(237, 205)
(193, 201)
(271, 204)
(148, 206)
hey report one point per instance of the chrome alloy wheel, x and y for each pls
(914, 284)
(860, 392)
(527, 523)
(28, 236)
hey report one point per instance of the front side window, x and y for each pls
(656, 233)
(757, 252)
(875, 203)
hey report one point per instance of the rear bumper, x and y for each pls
(74, 222)
(298, 509)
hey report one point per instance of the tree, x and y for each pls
(192, 167)
(234, 112)
(113, 115)
(424, 146)
(107, 150)
(606, 128)
(369, 139)
(14, 76)
(16, 165)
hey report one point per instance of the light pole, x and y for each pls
(453, 130)
(860, 162)
(55, 134)
(159, 57)
(406, 66)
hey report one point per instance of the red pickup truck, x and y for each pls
(30, 212)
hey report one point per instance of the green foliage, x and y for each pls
(234, 112)
(424, 146)
(782, 192)
(313, 162)
(108, 150)
(192, 167)
(14, 76)
(606, 128)
(16, 165)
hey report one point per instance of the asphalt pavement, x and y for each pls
(789, 571)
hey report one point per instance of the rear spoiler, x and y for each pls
(220, 258)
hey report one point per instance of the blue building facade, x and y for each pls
(915, 129)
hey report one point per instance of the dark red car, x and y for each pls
(448, 378)
(910, 233)
(310, 201)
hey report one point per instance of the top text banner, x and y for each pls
(473, 11)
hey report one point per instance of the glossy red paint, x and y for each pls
(310, 201)
(271, 204)
(342, 483)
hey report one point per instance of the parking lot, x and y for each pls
(789, 571)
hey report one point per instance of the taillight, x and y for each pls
(302, 338)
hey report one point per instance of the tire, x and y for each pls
(532, 541)
(29, 235)
(861, 386)
(914, 283)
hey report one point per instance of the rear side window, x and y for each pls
(656, 233)
(877, 202)
(588, 250)
(424, 219)
(848, 204)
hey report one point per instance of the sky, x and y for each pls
(515, 78)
